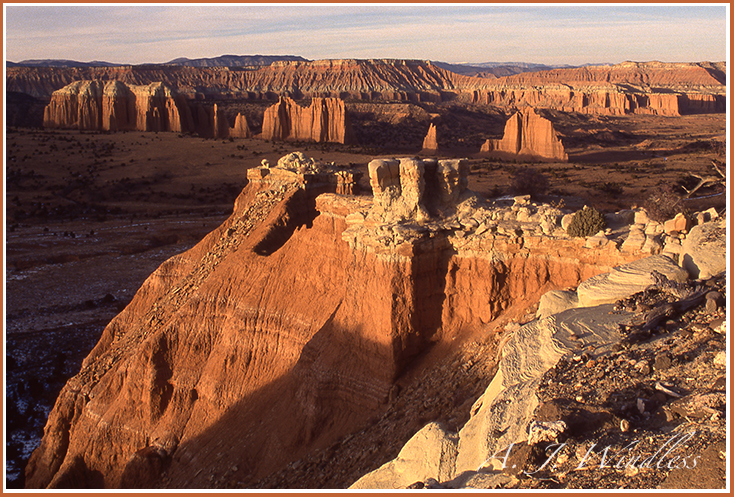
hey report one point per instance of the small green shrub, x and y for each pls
(586, 222)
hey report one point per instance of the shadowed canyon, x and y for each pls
(347, 273)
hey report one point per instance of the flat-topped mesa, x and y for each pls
(528, 134)
(325, 120)
(308, 173)
(113, 106)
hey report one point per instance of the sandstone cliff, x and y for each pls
(430, 142)
(627, 88)
(114, 106)
(652, 88)
(235, 357)
(528, 134)
(325, 120)
(381, 79)
(241, 128)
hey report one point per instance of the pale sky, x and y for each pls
(472, 33)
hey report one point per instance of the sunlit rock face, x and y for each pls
(286, 327)
(115, 106)
(325, 120)
(528, 134)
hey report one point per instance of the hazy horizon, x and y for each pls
(471, 33)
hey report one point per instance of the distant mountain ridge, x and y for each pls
(484, 69)
(235, 60)
(498, 69)
(221, 61)
(60, 63)
(481, 69)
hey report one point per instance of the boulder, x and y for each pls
(298, 162)
(641, 216)
(566, 221)
(625, 280)
(528, 134)
(545, 431)
(619, 219)
(679, 224)
(652, 245)
(431, 453)
(383, 174)
(596, 241)
(556, 301)
(452, 179)
(635, 240)
(703, 252)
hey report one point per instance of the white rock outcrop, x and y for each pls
(626, 280)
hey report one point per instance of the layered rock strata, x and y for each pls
(528, 134)
(114, 106)
(235, 357)
(504, 416)
(325, 120)
(628, 88)
(669, 89)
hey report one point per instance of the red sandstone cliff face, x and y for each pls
(325, 120)
(430, 142)
(628, 88)
(652, 74)
(349, 78)
(652, 87)
(528, 134)
(241, 128)
(114, 106)
(237, 356)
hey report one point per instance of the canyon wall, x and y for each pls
(114, 106)
(610, 101)
(325, 120)
(528, 134)
(649, 87)
(286, 327)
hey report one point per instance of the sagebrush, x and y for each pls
(586, 222)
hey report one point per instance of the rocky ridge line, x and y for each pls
(647, 88)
